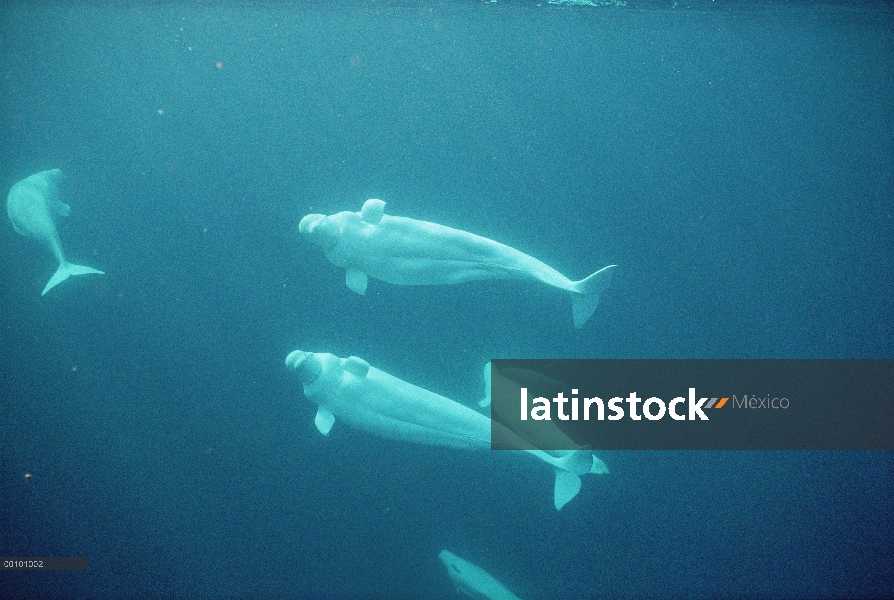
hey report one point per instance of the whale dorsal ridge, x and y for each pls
(372, 211)
(357, 366)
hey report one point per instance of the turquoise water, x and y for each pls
(735, 161)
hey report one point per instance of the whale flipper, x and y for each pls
(60, 208)
(356, 280)
(324, 420)
(585, 298)
(64, 271)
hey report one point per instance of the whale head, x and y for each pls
(321, 230)
(469, 579)
(305, 364)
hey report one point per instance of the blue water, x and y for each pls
(736, 161)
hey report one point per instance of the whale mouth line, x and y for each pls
(295, 359)
(320, 230)
(305, 364)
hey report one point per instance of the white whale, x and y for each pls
(410, 252)
(33, 205)
(381, 404)
(473, 581)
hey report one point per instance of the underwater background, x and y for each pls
(736, 160)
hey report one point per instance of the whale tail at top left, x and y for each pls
(64, 271)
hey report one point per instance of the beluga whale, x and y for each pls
(405, 251)
(33, 205)
(374, 401)
(473, 581)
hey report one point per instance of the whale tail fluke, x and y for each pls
(585, 297)
(569, 467)
(64, 271)
(568, 472)
(567, 487)
(598, 467)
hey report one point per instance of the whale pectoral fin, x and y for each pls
(357, 366)
(324, 420)
(50, 191)
(372, 211)
(60, 208)
(356, 280)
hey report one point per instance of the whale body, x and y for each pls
(405, 251)
(33, 205)
(374, 401)
(473, 581)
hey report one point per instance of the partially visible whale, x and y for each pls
(410, 252)
(473, 581)
(33, 205)
(379, 403)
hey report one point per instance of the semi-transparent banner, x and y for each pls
(693, 404)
